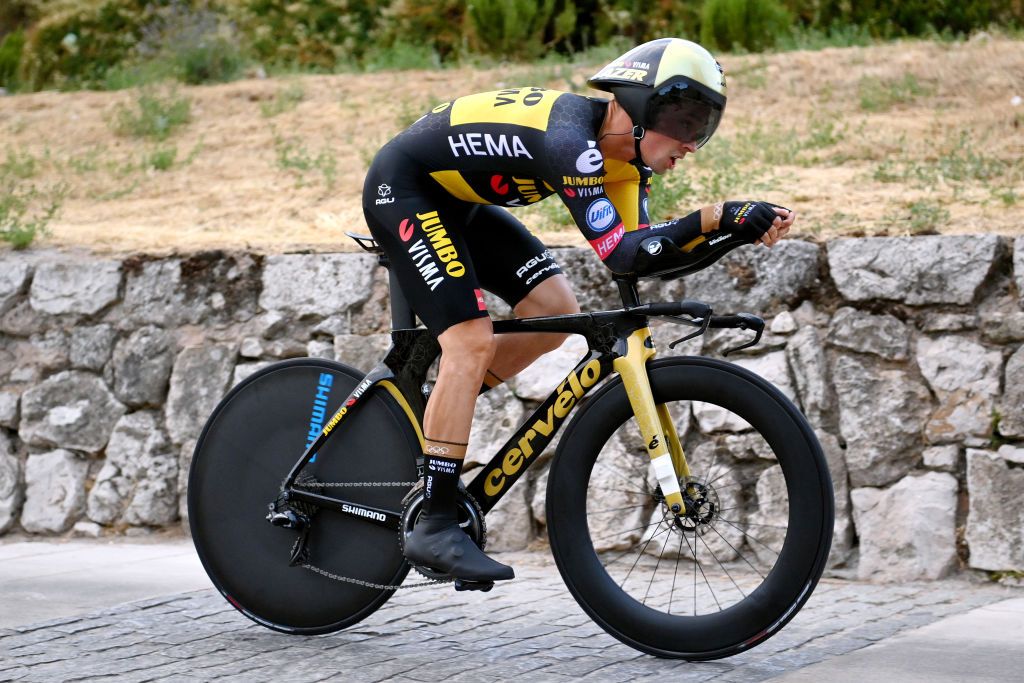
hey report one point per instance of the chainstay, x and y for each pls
(375, 586)
(361, 582)
(330, 484)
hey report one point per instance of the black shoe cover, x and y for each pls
(445, 547)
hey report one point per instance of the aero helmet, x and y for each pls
(669, 85)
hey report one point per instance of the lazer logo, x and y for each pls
(363, 512)
(319, 413)
(569, 391)
(624, 73)
(487, 145)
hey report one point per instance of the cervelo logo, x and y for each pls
(600, 215)
(487, 145)
(606, 244)
(590, 159)
(525, 268)
(384, 190)
(363, 512)
(569, 391)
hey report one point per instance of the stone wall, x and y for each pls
(905, 353)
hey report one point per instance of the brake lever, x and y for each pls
(702, 326)
(743, 321)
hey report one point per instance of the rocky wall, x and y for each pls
(905, 353)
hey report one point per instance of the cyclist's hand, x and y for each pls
(758, 222)
(780, 227)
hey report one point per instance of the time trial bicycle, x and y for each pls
(689, 506)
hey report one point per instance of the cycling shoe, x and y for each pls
(446, 547)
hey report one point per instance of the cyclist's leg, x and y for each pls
(516, 266)
(421, 231)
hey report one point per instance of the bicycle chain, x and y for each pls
(361, 582)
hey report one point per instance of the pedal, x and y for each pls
(289, 519)
(484, 586)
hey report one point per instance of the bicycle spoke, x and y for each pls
(655, 572)
(752, 537)
(628, 507)
(723, 568)
(769, 526)
(675, 573)
(627, 531)
(641, 554)
(619, 475)
(736, 550)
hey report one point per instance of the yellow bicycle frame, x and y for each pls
(656, 427)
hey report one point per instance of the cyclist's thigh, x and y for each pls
(510, 261)
(422, 232)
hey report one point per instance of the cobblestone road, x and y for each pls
(530, 629)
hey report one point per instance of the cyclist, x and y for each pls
(431, 199)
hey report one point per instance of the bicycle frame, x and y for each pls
(619, 341)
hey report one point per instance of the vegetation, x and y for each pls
(115, 44)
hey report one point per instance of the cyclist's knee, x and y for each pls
(554, 296)
(470, 343)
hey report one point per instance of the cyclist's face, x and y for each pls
(661, 152)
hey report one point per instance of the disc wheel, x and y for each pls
(751, 544)
(245, 451)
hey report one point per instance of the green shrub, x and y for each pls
(10, 57)
(155, 115)
(314, 34)
(197, 43)
(435, 29)
(752, 25)
(510, 28)
(18, 15)
(25, 213)
(78, 41)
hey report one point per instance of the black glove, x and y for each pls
(747, 219)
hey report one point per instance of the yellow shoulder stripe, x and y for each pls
(457, 186)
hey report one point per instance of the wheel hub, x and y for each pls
(702, 506)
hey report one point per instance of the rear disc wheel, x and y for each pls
(248, 446)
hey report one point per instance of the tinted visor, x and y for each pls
(684, 113)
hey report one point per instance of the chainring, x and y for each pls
(471, 519)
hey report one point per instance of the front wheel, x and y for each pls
(752, 544)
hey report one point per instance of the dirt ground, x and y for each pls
(893, 139)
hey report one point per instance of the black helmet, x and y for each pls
(669, 85)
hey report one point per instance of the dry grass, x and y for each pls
(894, 139)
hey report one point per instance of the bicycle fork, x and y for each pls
(656, 427)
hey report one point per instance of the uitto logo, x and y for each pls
(569, 391)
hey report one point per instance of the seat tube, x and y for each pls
(632, 367)
(402, 317)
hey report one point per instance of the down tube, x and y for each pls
(518, 453)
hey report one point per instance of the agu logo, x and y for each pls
(600, 215)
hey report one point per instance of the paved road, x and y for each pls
(529, 630)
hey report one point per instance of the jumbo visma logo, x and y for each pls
(569, 391)
(423, 253)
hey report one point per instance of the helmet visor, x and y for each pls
(681, 112)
